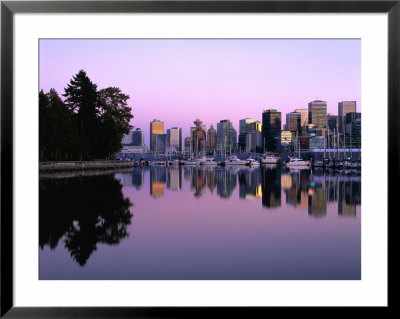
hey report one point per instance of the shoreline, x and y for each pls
(83, 165)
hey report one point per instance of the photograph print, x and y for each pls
(199, 159)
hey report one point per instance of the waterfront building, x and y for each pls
(156, 128)
(134, 142)
(304, 142)
(199, 137)
(161, 143)
(253, 141)
(304, 116)
(211, 143)
(247, 125)
(226, 136)
(127, 139)
(353, 131)
(332, 122)
(138, 137)
(188, 143)
(317, 113)
(174, 139)
(345, 107)
(317, 142)
(285, 140)
(293, 122)
(271, 128)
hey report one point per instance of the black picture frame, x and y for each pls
(9, 8)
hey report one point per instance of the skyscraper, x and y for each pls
(304, 116)
(331, 122)
(137, 137)
(161, 143)
(174, 139)
(156, 128)
(317, 113)
(226, 136)
(293, 122)
(246, 125)
(271, 128)
(345, 107)
(199, 137)
(211, 139)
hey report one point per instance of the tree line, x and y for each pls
(88, 124)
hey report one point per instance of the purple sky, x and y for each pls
(177, 81)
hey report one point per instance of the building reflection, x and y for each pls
(303, 189)
(174, 179)
(158, 178)
(271, 187)
(226, 181)
(249, 183)
(138, 177)
(199, 181)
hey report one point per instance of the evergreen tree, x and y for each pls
(114, 120)
(89, 124)
(82, 99)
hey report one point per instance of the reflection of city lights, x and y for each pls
(259, 191)
(286, 181)
(157, 189)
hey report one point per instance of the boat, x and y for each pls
(210, 161)
(233, 160)
(252, 162)
(294, 161)
(297, 161)
(269, 159)
(160, 163)
(191, 161)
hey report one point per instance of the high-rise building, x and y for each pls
(127, 139)
(253, 140)
(199, 137)
(293, 122)
(211, 143)
(161, 143)
(247, 125)
(304, 116)
(271, 128)
(137, 137)
(285, 140)
(345, 107)
(331, 122)
(353, 130)
(188, 144)
(174, 139)
(226, 136)
(156, 128)
(317, 113)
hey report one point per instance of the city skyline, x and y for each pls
(177, 81)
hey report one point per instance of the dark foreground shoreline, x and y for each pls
(47, 167)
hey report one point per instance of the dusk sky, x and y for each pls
(177, 81)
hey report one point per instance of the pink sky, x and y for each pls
(177, 81)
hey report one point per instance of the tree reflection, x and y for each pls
(85, 211)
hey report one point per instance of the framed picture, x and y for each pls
(196, 157)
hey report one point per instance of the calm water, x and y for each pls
(201, 223)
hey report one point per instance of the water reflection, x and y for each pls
(191, 223)
(83, 212)
(302, 188)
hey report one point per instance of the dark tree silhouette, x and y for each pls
(88, 124)
(114, 119)
(84, 212)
